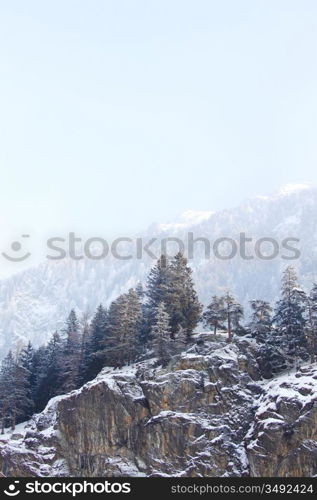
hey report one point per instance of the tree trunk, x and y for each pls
(229, 328)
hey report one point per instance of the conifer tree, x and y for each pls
(15, 398)
(289, 317)
(161, 335)
(38, 375)
(93, 341)
(25, 374)
(22, 404)
(157, 291)
(182, 302)
(214, 316)
(134, 314)
(261, 320)
(233, 314)
(71, 355)
(52, 381)
(121, 345)
(311, 323)
(6, 390)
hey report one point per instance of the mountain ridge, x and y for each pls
(34, 303)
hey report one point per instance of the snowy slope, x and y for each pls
(35, 302)
(208, 413)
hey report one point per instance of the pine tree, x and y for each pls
(15, 401)
(214, 316)
(22, 404)
(121, 345)
(233, 314)
(134, 313)
(182, 302)
(289, 317)
(24, 372)
(6, 390)
(71, 355)
(93, 340)
(52, 381)
(261, 320)
(38, 374)
(157, 291)
(26, 357)
(311, 323)
(140, 291)
(161, 342)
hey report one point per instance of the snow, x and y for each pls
(289, 189)
(19, 429)
(187, 219)
(35, 303)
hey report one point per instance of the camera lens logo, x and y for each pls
(13, 492)
(16, 247)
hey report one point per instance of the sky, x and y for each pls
(118, 113)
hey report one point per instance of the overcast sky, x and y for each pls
(115, 114)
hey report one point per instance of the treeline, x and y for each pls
(155, 322)
(284, 334)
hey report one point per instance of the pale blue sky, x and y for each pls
(118, 113)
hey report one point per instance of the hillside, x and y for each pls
(208, 413)
(35, 303)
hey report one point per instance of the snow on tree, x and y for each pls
(182, 302)
(214, 316)
(124, 322)
(161, 341)
(289, 318)
(261, 320)
(233, 314)
(93, 337)
(311, 323)
(71, 354)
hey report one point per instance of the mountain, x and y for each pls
(34, 303)
(207, 414)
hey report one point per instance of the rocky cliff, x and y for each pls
(207, 414)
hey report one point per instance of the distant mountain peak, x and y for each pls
(288, 189)
(186, 219)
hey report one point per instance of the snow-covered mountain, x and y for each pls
(207, 414)
(35, 302)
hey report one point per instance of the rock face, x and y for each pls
(283, 437)
(206, 414)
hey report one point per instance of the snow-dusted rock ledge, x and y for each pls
(206, 414)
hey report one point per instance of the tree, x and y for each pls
(22, 404)
(71, 354)
(6, 389)
(261, 320)
(24, 373)
(233, 314)
(311, 323)
(93, 339)
(140, 291)
(26, 357)
(121, 344)
(38, 374)
(134, 313)
(15, 401)
(182, 302)
(289, 317)
(215, 314)
(157, 291)
(161, 335)
(51, 383)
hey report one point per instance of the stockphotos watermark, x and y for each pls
(125, 248)
(70, 488)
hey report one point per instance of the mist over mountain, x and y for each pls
(34, 303)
